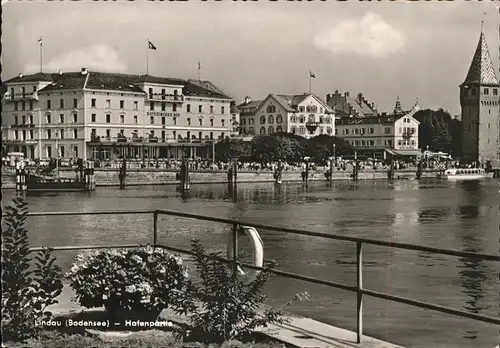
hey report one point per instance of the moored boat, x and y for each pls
(465, 174)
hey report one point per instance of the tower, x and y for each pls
(479, 100)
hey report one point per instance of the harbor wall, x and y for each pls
(109, 176)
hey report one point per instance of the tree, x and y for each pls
(269, 148)
(439, 131)
(232, 148)
(322, 146)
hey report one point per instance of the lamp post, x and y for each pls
(39, 133)
(334, 154)
(57, 154)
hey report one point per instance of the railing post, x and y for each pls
(359, 288)
(235, 250)
(155, 228)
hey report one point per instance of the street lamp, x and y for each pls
(57, 154)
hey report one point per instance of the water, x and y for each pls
(462, 216)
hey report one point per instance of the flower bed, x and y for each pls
(131, 284)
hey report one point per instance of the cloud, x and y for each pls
(370, 36)
(99, 57)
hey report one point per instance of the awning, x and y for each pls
(408, 152)
(390, 152)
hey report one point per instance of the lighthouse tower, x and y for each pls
(479, 99)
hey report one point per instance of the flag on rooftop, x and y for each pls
(40, 39)
(312, 75)
(151, 46)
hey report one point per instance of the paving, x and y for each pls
(299, 331)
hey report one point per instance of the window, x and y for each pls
(75, 151)
(189, 121)
(75, 102)
(200, 120)
(32, 134)
(495, 91)
(188, 135)
(122, 104)
(473, 91)
(279, 119)
(200, 108)
(23, 105)
(211, 109)
(270, 130)
(174, 134)
(61, 150)
(108, 104)
(62, 133)
(48, 118)
(163, 106)
(93, 132)
(61, 104)
(16, 106)
(150, 92)
(400, 142)
(61, 118)
(108, 133)
(175, 121)
(49, 106)
(211, 122)
(24, 119)
(262, 119)
(211, 135)
(301, 109)
(135, 119)
(163, 135)
(92, 118)
(49, 151)
(152, 120)
(270, 120)
(49, 134)
(122, 119)
(16, 119)
(163, 120)
(108, 118)
(222, 110)
(16, 134)
(262, 130)
(31, 104)
(75, 118)
(486, 91)
(200, 135)
(387, 130)
(30, 119)
(151, 106)
(174, 107)
(222, 122)
(222, 135)
(188, 108)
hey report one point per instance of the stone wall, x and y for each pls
(109, 177)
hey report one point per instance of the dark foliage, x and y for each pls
(26, 291)
(439, 131)
(221, 307)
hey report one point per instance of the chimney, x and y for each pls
(84, 71)
(20, 74)
(360, 98)
(60, 72)
(346, 94)
(247, 99)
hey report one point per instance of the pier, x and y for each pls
(303, 332)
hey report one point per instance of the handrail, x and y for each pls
(358, 288)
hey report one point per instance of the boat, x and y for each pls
(44, 184)
(465, 174)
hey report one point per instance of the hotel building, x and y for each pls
(103, 115)
(374, 136)
(305, 114)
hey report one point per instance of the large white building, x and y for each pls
(104, 115)
(305, 114)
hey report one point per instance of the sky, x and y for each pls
(385, 49)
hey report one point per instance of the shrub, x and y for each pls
(136, 280)
(26, 291)
(220, 307)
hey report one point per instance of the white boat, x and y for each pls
(465, 174)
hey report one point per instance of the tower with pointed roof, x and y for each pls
(479, 100)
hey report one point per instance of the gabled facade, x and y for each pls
(105, 115)
(346, 106)
(247, 111)
(480, 103)
(304, 114)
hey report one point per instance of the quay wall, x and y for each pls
(109, 176)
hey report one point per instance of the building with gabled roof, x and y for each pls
(247, 111)
(346, 106)
(480, 103)
(303, 114)
(89, 114)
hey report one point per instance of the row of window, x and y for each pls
(23, 105)
(59, 134)
(486, 91)
(23, 90)
(200, 109)
(48, 119)
(312, 108)
(163, 120)
(163, 135)
(378, 142)
(62, 151)
(93, 104)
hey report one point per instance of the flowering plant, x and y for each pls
(142, 279)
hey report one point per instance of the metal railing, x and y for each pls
(358, 288)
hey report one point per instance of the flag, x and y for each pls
(312, 75)
(199, 65)
(151, 46)
(40, 40)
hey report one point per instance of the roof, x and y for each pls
(380, 119)
(31, 78)
(70, 80)
(206, 85)
(159, 80)
(191, 89)
(291, 102)
(115, 82)
(481, 69)
(250, 104)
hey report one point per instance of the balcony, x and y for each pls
(311, 126)
(21, 96)
(407, 134)
(22, 126)
(170, 98)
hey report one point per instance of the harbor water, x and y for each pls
(462, 216)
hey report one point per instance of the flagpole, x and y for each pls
(310, 82)
(147, 56)
(199, 78)
(41, 54)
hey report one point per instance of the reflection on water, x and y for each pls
(439, 214)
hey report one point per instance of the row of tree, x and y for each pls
(437, 130)
(287, 147)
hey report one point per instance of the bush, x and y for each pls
(222, 308)
(26, 291)
(136, 280)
